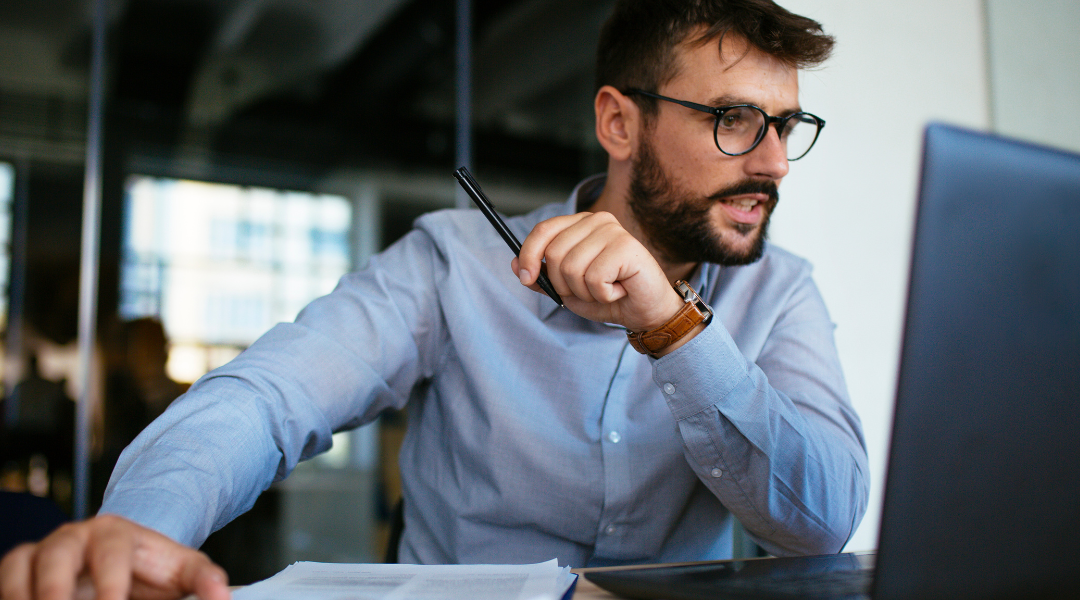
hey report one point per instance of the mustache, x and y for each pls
(768, 188)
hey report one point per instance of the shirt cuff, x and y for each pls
(701, 372)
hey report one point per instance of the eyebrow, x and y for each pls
(729, 100)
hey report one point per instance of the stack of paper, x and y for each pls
(332, 581)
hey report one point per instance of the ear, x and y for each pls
(617, 123)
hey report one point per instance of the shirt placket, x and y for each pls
(615, 450)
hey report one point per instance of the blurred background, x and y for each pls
(253, 151)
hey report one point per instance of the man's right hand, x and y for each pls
(110, 558)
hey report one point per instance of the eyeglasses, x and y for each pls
(741, 127)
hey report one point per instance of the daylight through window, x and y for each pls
(221, 264)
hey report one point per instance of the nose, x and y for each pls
(769, 159)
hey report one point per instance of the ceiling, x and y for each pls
(306, 85)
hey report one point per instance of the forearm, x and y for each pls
(195, 468)
(790, 465)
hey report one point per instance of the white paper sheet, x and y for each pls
(334, 581)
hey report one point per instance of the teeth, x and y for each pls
(744, 205)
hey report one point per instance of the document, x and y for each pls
(337, 581)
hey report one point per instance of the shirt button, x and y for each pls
(669, 388)
(610, 530)
(614, 437)
(716, 473)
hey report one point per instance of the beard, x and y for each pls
(677, 225)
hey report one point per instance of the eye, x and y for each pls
(734, 119)
(797, 122)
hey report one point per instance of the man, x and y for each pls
(537, 431)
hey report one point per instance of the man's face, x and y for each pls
(693, 202)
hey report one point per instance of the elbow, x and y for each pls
(822, 527)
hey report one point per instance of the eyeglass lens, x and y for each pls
(739, 128)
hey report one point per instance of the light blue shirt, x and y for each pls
(533, 433)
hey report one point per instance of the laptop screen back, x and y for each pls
(983, 492)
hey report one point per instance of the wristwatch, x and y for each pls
(694, 311)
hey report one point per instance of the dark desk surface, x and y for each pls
(587, 590)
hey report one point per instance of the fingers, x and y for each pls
(57, 562)
(533, 249)
(15, 573)
(588, 256)
(44, 571)
(593, 267)
(601, 270)
(164, 568)
(109, 558)
(207, 580)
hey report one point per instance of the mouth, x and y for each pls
(745, 209)
(742, 204)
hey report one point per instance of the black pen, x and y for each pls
(473, 190)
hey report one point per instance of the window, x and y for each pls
(221, 264)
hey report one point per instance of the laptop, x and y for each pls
(982, 498)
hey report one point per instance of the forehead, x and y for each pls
(737, 73)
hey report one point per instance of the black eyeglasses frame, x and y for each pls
(718, 111)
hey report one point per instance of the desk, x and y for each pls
(806, 570)
(587, 590)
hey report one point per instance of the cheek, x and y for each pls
(704, 171)
(687, 162)
(685, 150)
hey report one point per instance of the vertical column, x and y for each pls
(88, 267)
(463, 95)
(15, 367)
(367, 234)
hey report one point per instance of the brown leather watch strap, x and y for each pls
(652, 341)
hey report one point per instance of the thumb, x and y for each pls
(526, 278)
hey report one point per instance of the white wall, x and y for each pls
(1035, 70)
(849, 205)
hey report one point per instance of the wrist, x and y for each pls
(691, 317)
(673, 303)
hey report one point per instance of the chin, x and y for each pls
(734, 248)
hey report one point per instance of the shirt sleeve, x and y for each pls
(775, 439)
(348, 356)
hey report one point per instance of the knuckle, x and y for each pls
(596, 283)
(544, 228)
(108, 521)
(15, 554)
(574, 262)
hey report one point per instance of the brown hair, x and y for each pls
(637, 43)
